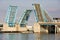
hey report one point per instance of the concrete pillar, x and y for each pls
(36, 27)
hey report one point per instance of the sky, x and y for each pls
(51, 6)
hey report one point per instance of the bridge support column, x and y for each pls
(51, 29)
(36, 28)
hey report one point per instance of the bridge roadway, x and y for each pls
(54, 23)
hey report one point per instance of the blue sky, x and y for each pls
(51, 6)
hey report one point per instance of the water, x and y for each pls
(16, 36)
(19, 36)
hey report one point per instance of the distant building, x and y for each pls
(56, 19)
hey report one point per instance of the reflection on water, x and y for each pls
(1, 36)
(16, 36)
(47, 37)
(19, 36)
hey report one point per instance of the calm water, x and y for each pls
(19, 36)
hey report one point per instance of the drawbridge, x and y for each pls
(43, 20)
(10, 19)
(11, 16)
(22, 23)
(24, 18)
(42, 16)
